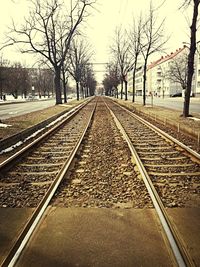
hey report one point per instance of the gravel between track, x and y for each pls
(170, 115)
(103, 175)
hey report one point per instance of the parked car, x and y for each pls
(176, 95)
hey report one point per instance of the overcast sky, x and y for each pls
(102, 23)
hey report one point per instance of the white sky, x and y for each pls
(101, 25)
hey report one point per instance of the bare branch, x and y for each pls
(48, 31)
(153, 40)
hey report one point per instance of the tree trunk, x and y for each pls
(77, 90)
(1, 93)
(64, 86)
(57, 86)
(144, 83)
(122, 89)
(81, 89)
(191, 59)
(117, 92)
(126, 90)
(65, 92)
(133, 98)
(87, 91)
(15, 94)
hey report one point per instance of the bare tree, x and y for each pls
(111, 80)
(79, 56)
(16, 80)
(3, 76)
(48, 31)
(88, 81)
(91, 84)
(43, 82)
(65, 78)
(178, 70)
(135, 46)
(153, 41)
(192, 50)
(121, 52)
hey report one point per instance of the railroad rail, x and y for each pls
(160, 156)
(161, 161)
(31, 176)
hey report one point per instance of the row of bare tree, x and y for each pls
(77, 64)
(51, 31)
(18, 80)
(145, 38)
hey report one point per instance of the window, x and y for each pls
(198, 72)
(198, 84)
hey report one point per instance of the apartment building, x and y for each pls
(138, 81)
(158, 82)
(158, 79)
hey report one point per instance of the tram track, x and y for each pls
(25, 183)
(103, 175)
(165, 158)
(169, 182)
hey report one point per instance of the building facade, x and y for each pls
(158, 81)
(138, 81)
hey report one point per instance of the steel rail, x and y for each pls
(37, 215)
(161, 132)
(181, 255)
(23, 150)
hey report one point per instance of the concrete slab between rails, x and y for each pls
(12, 221)
(98, 238)
(187, 223)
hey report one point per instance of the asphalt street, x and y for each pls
(15, 109)
(171, 102)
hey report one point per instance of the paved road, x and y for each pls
(172, 102)
(15, 109)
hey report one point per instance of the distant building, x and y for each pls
(158, 82)
(138, 79)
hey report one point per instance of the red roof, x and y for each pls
(167, 57)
